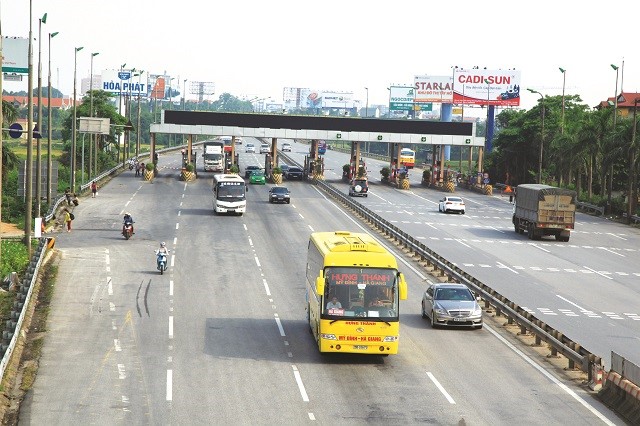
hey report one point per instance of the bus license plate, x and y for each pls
(361, 348)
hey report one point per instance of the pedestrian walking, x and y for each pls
(138, 166)
(67, 195)
(68, 217)
(94, 189)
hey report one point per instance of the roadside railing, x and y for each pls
(591, 208)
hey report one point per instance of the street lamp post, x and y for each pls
(29, 164)
(93, 136)
(184, 95)
(49, 128)
(615, 113)
(73, 123)
(541, 135)
(564, 80)
(41, 21)
(366, 111)
(138, 123)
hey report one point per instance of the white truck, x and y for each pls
(213, 156)
(544, 210)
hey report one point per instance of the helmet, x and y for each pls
(127, 214)
(163, 244)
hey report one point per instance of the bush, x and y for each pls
(190, 167)
(385, 172)
(346, 169)
(276, 171)
(149, 166)
(234, 169)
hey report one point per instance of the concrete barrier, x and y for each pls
(622, 396)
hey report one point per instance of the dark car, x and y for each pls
(250, 169)
(279, 194)
(359, 188)
(284, 168)
(294, 173)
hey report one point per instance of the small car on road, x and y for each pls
(250, 169)
(451, 304)
(451, 204)
(359, 188)
(249, 147)
(257, 177)
(279, 194)
(294, 173)
(286, 147)
(265, 148)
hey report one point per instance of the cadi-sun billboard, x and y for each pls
(486, 87)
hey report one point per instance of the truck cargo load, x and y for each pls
(213, 156)
(542, 210)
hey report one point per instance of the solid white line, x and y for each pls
(266, 287)
(502, 265)
(571, 303)
(440, 387)
(610, 251)
(279, 323)
(596, 272)
(303, 392)
(550, 377)
(169, 385)
(171, 327)
(171, 288)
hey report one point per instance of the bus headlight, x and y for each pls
(328, 336)
(390, 339)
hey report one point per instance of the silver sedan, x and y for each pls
(451, 305)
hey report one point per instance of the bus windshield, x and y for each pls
(230, 191)
(360, 292)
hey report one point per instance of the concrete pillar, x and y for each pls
(446, 111)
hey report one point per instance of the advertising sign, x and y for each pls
(401, 98)
(486, 87)
(15, 55)
(337, 99)
(433, 89)
(124, 82)
(159, 87)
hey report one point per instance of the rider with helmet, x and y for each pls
(163, 248)
(127, 219)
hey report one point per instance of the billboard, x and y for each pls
(401, 98)
(486, 87)
(124, 82)
(160, 87)
(433, 89)
(294, 98)
(337, 99)
(15, 55)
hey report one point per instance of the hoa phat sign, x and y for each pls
(486, 87)
(125, 82)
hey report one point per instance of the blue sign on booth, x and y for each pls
(15, 130)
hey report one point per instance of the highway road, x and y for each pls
(587, 288)
(221, 338)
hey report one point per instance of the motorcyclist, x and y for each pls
(163, 249)
(127, 219)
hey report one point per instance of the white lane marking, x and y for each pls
(571, 303)
(244, 225)
(250, 242)
(257, 261)
(109, 286)
(617, 236)
(171, 327)
(127, 203)
(106, 259)
(179, 211)
(440, 387)
(266, 287)
(312, 417)
(113, 325)
(177, 225)
(169, 385)
(279, 323)
(501, 265)
(122, 374)
(539, 248)
(175, 241)
(599, 273)
(460, 241)
(550, 377)
(112, 306)
(173, 260)
(610, 251)
(171, 288)
(116, 345)
(303, 392)
(302, 217)
(310, 227)
(496, 229)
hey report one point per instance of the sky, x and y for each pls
(255, 48)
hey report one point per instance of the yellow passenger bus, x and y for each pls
(407, 158)
(353, 293)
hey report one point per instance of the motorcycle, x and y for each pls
(133, 163)
(127, 230)
(161, 260)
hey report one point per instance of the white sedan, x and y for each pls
(451, 204)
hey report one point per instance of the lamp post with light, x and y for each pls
(29, 165)
(73, 123)
(92, 160)
(41, 21)
(541, 134)
(49, 128)
(615, 113)
(366, 111)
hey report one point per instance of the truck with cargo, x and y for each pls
(542, 210)
(213, 156)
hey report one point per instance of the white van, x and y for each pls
(265, 148)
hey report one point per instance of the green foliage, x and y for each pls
(362, 172)
(385, 172)
(190, 167)
(149, 166)
(234, 169)
(276, 171)
(346, 169)
(15, 258)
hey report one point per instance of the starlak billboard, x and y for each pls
(486, 87)
(436, 89)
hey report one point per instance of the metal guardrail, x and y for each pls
(590, 207)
